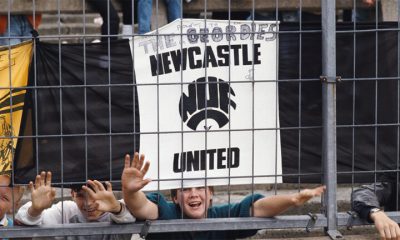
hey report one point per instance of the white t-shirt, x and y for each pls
(72, 214)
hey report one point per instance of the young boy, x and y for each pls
(195, 203)
(6, 200)
(89, 204)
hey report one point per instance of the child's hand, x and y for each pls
(42, 194)
(306, 194)
(104, 198)
(133, 175)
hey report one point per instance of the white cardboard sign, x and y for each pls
(208, 104)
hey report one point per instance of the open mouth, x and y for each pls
(194, 204)
(90, 210)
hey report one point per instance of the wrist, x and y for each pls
(375, 213)
(129, 194)
(295, 199)
(34, 212)
(117, 209)
(126, 192)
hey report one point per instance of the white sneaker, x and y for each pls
(126, 31)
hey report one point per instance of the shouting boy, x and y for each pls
(195, 203)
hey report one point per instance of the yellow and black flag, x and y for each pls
(14, 67)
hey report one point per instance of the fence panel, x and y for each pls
(240, 96)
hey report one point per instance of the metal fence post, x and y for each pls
(329, 114)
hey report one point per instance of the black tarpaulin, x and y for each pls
(367, 108)
(83, 123)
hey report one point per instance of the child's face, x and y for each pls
(17, 197)
(194, 202)
(5, 195)
(86, 205)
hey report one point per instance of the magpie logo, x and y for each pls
(194, 107)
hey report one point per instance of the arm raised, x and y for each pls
(274, 205)
(132, 182)
(42, 194)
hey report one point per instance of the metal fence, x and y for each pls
(328, 13)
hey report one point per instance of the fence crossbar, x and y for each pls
(81, 229)
(279, 222)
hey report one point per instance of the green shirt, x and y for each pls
(168, 210)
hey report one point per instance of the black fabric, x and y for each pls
(72, 150)
(368, 104)
(374, 195)
(372, 102)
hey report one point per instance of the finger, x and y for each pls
(42, 177)
(89, 191)
(140, 163)
(381, 233)
(316, 191)
(48, 179)
(387, 232)
(127, 161)
(393, 231)
(31, 186)
(320, 190)
(53, 193)
(145, 168)
(99, 185)
(397, 229)
(93, 185)
(135, 160)
(145, 182)
(109, 186)
(37, 181)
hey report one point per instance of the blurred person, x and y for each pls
(368, 13)
(368, 201)
(196, 203)
(145, 8)
(18, 29)
(127, 17)
(286, 16)
(111, 19)
(92, 203)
